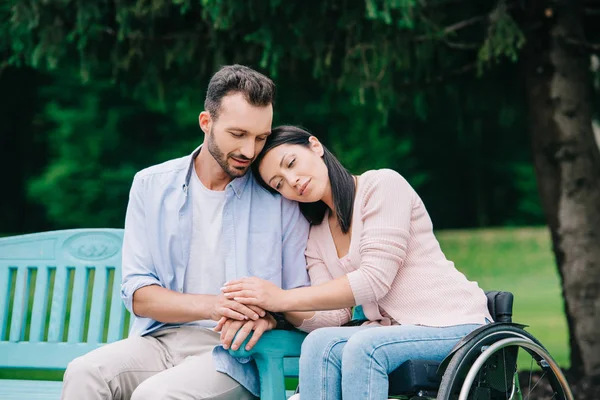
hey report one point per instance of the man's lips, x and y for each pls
(239, 161)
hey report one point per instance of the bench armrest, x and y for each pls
(274, 350)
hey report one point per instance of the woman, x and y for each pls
(372, 244)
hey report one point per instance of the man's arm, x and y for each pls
(169, 306)
(142, 291)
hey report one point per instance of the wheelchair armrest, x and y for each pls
(276, 355)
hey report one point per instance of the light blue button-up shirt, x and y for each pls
(263, 235)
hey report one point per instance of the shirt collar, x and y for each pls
(238, 184)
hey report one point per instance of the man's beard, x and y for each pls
(215, 151)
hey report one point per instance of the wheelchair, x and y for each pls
(485, 365)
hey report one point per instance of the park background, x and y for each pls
(459, 96)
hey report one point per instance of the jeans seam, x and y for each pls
(326, 364)
(371, 358)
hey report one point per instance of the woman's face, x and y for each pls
(297, 172)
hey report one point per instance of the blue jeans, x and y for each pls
(354, 362)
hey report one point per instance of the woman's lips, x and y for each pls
(303, 187)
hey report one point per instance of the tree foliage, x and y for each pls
(385, 83)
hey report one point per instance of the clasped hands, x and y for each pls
(242, 309)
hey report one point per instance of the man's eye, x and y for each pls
(261, 139)
(237, 135)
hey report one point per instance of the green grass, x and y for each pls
(518, 260)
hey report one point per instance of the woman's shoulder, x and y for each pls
(376, 179)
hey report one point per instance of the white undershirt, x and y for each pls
(205, 273)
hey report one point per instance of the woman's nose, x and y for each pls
(292, 179)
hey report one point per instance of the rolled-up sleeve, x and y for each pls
(295, 234)
(137, 267)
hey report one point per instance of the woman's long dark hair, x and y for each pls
(342, 182)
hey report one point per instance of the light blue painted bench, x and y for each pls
(60, 298)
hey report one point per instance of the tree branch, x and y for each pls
(461, 46)
(581, 43)
(591, 11)
(455, 27)
(442, 77)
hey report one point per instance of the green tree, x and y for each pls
(382, 55)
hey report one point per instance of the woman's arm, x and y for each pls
(311, 320)
(386, 213)
(305, 320)
(331, 295)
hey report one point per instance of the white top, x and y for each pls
(205, 273)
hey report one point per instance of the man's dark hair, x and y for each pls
(258, 90)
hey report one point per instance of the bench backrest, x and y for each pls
(59, 296)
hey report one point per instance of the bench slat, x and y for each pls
(20, 302)
(117, 311)
(41, 355)
(14, 389)
(59, 302)
(4, 298)
(97, 313)
(40, 305)
(77, 315)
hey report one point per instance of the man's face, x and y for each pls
(238, 135)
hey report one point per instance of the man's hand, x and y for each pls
(224, 307)
(229, 328)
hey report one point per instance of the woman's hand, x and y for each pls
(257, 292)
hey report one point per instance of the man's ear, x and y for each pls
(204, 120)
(316, 146)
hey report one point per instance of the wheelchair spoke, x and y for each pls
(539, 380)
(476, 370)
(530, 374)
(505, 380)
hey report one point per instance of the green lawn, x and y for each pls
(518, 260)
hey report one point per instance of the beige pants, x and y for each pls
(174, 363)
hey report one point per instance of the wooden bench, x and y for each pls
(60, 298)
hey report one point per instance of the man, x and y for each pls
(192, 224)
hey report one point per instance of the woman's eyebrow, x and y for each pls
(280, 166)
(282, 158)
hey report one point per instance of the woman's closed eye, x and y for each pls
(278, 185)
(291, 163)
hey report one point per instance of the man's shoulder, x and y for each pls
(262, 199)
(174, 166)
(268, 197)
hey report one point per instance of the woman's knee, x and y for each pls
(317, 342)
(324, 344)
(365, 350)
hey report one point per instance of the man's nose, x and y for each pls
(248, 150)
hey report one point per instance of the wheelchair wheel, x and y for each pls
(487, 368)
